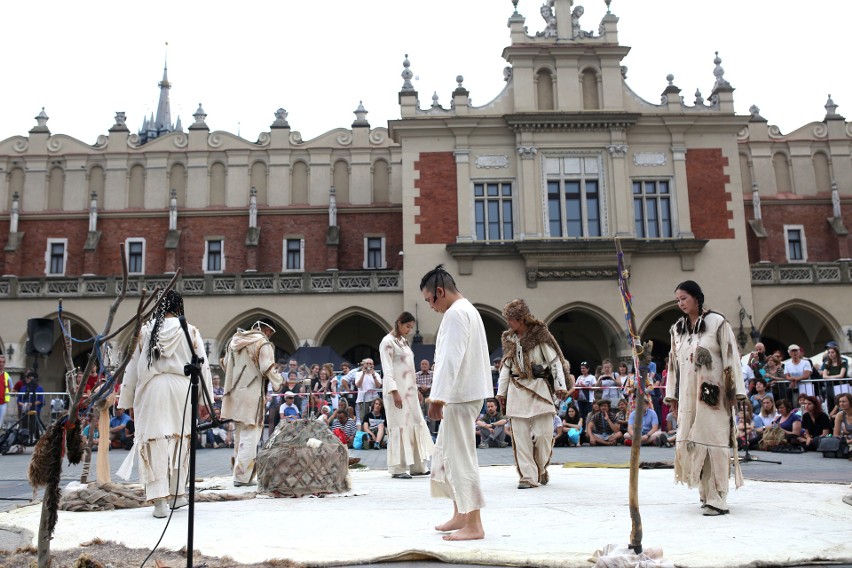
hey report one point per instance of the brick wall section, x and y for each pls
(708, 198)
(820, 239)
(194, 230)
(438, 199)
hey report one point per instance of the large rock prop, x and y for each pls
(303, 458)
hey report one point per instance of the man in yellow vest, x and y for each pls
(5, 389)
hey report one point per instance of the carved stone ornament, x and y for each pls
(649, 159)
(527, 152)
(575, 274)
(492, 161)
(617, 150)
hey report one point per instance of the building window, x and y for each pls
(794, 237)
(214, 256)
(652, 209)
(135, 256)
(492, 205)
(374, 253)
(574, 196)
(56, 257)
(294, 255)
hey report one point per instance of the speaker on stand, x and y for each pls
(39, 338)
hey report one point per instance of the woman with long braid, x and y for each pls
(156, 388)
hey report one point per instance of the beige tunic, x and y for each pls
(250, 358)
(528, 397)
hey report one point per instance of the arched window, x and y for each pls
(781, 166)
(822, 173)
(177, 181)
(381, 182)
(217, 185)
(97, 182)
(55, 188)
(591, 96)
(299, 184)
(136, 195)
(544, 90)
(259, 182)
(340, 181)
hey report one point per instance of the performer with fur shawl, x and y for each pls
(530, 353)
(248, 363)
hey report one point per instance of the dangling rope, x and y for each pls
(97, 347)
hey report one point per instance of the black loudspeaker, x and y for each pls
(39, 336)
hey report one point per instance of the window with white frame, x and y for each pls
(56, 257)
(135, 248)
(294, 255)
(214, 255)
(374, 253)
(574, 196)
(492, 206)
(794, 238)
(652, 209)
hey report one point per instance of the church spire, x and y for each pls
(163, 123)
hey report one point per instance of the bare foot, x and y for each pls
(457, 522)
(466, 533)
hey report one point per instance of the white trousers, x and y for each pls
(246, 438)
(455, 467)
(532, 442)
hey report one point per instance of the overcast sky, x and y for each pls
(83, 61)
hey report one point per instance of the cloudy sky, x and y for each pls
(318, 59)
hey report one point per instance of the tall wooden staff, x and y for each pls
(641, 359)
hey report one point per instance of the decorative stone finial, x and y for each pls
(253, 208)
(332, 207)
(280, 119)
(835, 199)
(699, 100)
(550, 21)
(460, 80)
(407, 75)
(670, 79)
(173, 210)
(831, 110)
(719, 73)
(754, 111)
(755, 202)
(93, 212)
(515, 4)
(41, 122)
(13, 217)
(120, 118)
(435, 103)
(360, 115)
(608, 2)
(199, 116)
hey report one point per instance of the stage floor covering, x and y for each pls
(562, 524)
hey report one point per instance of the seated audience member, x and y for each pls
(835, 368)
(747, 424)
(757, 393)
(843, 420)
(218, 391)
(290, 410)
(423, 378)
(491, 426)
(121, 430)
(603, 429)
(216, 437)
(670, 438)
(572, 427)
(344, 426)
(815, 424)
(325, 415)
(374, 424)
(621, 416)
(767, 415)
(789, 422)
(650, 426)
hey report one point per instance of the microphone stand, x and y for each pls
(747, 458)
(193, 371)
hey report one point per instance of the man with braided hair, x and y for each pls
(529, 353)
(249, 364)
(157, 389)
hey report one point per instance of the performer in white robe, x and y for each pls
(462, 380)
(157, 390)
(704, 385)
(249, 363)
(409, 441)
(529, 350)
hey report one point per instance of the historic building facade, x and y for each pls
(524, 196)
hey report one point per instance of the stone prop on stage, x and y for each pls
(303, 457)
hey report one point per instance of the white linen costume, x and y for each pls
(705, 377)
(249, 358)
(462, 380)
(409, 441)
(159, 397)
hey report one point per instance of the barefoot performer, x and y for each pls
(461, 381)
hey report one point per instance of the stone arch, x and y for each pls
(136, 187)
(218, 176)
(259, 181)
(97, 184)
(16, 185)
(545, 89)
(495, 325)
(354, 333)
(299, 173)
(590, 80)
(656, 328)
(822, 171)
(177, 181)
(585, 332)
(52, 370)
(340, 180)
(55, 188)
(284, 339)
(781, 169)
(381, 181)
(801, 322)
